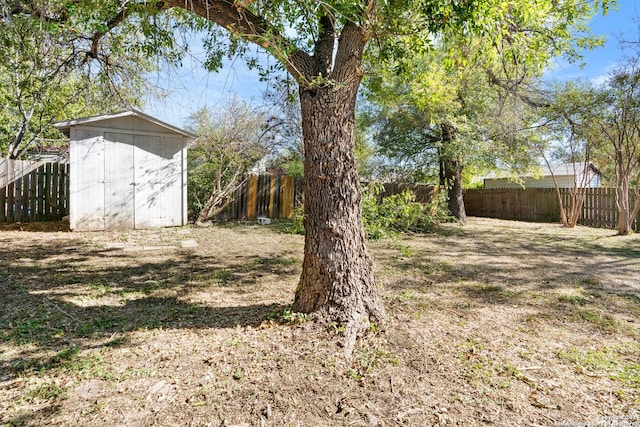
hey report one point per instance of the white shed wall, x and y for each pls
(158, 181)
(86, 180)
(124, 179)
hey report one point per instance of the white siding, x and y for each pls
(567, 175)
(86, 179)
(543, 182)
(119, 182)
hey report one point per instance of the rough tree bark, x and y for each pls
(337, 278)
(453, 183)
(451, 177)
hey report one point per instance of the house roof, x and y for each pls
(65, 126)
(562, 169)
(569, 168)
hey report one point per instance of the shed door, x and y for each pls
(158, 178)
(87, 181)
(119, 181)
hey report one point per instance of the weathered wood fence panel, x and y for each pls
(541, 205)
(33, 191)
(264, 196)
(278, 196)
(424, 192)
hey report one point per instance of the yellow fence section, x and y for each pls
(265, 196)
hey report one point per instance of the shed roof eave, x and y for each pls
(65, 126)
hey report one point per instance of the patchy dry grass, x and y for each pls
(494, 323)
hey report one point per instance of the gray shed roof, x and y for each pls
(65, 126)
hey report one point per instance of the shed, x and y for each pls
(128, 170)
(567, 175)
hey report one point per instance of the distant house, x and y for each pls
(128, 170)
(567, 175)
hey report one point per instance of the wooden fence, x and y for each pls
(541, 205)
(265, 196)
(278, 196)
(33, 191)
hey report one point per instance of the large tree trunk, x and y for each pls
(451, 177)
(337, 279)
(453, 182)
(337, 274)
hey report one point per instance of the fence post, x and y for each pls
(286, 196)
(272, 196)
(252, 198)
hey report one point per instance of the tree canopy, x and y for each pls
(465, 101)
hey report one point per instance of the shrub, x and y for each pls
(385, 217)
(297, 223)
(398, 213)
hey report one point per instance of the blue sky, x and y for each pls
(190, 87)
(616, 25)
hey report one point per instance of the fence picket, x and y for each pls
(10, 201)
(272, 195)
(541, 205)
(286, 196)
(26, 190)
(33, 196)
(32, 191)
(55, 206)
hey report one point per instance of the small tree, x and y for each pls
(618, 126)
(230, 141)
(561, 135)
(603, 120)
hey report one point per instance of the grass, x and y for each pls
(496, 322)
(620, 363)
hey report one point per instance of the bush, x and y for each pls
(297, 223)
(398, 213)
(387, 216)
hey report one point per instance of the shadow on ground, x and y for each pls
(57, 297)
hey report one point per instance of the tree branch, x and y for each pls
(493, 79)
(323, 52)
(243, 23)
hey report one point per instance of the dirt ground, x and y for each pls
(495, 323)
